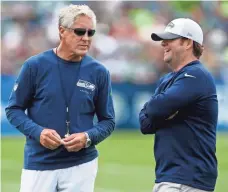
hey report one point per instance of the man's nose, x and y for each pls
(85, 37)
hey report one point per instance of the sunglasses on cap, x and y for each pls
(82, 32)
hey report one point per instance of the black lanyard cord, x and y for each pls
(67, 102)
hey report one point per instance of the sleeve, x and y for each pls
(104, 110)
(146, 125)
(183, 91)
(20, 99)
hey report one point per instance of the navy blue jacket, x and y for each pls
(38, 91)
(183, 114)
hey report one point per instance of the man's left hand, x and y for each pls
(75, 142)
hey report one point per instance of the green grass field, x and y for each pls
(126, 163)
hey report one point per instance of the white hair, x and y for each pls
(69, 14)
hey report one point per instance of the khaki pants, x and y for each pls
(174, 187)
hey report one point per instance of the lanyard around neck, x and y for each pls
(66, 101)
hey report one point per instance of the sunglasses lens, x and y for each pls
(91, 33)
(80, 32)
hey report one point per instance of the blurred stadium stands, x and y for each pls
(122, 43)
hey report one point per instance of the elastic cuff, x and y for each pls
(36, 133)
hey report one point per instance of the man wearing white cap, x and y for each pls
(183, 114)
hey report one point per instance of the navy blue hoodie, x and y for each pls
(38, 90)
(183, 114)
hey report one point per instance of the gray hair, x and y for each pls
(69, 14)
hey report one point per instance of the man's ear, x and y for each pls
(61, 32)
(189, 44)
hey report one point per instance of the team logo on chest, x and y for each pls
(86, 85)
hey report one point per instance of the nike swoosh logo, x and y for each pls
(187, 75)
(173, 115)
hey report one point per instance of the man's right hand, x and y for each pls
(50, 139)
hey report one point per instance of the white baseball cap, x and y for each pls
(181, 27)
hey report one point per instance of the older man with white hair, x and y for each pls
(62, 89)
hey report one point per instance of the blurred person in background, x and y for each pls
(62, 89)
(183, 114)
